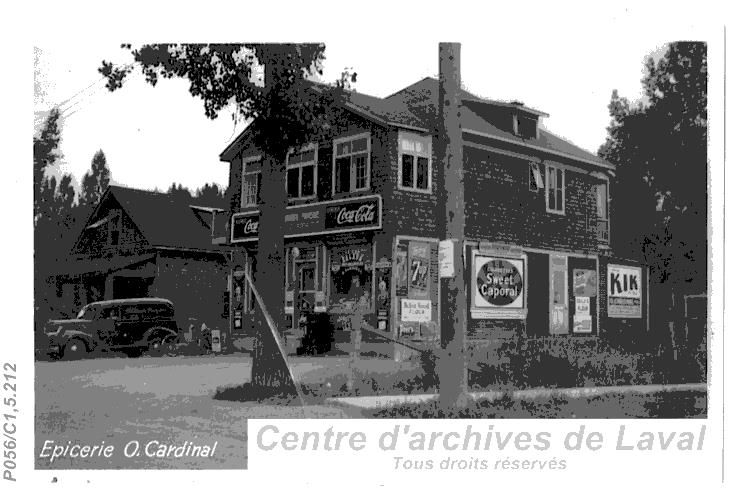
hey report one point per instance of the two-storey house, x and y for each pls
(363, 219)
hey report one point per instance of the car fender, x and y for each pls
(85, 337)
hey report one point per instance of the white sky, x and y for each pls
(152, 137)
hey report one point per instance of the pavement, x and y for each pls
(170, 401)
(116, 401)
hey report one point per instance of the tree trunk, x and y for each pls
(269, 366)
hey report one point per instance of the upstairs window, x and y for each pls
(601, 201)
(251, 187)
(251, 190)
(414, 162)
(555, 191)
(351, 164)
(301, 173)
(535, 177)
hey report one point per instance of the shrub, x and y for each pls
(564, 362)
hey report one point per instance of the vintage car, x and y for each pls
(129, 325)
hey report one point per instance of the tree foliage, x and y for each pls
(46, 152)
(96, 181)
(271, 84)
(659, 145)
(273, 88)
(210, 195)
(54, 213)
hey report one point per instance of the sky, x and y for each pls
(155, 136)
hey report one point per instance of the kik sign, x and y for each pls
(353, 214)
(624, 291)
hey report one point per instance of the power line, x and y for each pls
(82, 103)
(60, 104)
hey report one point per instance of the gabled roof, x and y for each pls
(421, 99)
(163, 221)
(415, 108)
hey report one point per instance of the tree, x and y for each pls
(179, 193)
(210, 195)
(95, 182)
(659, 145)
(54, 212)
(287, 110)
(45, 153)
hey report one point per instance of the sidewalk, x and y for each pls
(375, 402)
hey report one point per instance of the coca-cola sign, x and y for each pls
(353, 214)
(364, 213)
(245, 226)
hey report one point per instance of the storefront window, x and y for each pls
(351, 275)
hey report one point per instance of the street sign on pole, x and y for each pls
(446, 259)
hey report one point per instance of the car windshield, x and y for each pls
(87, 312)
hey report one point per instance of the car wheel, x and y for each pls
(75, 349)
(162, 346)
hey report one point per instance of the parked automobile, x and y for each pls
(129, 325)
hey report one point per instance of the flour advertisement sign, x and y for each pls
(624, 292)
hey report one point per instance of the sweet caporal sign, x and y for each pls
(354, 214)
(498, 290)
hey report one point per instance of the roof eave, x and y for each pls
(508, 105)
(603, 165)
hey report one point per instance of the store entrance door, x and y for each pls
(306, 285)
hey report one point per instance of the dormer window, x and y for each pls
(526, 126)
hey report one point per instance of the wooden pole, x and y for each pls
(453, 323)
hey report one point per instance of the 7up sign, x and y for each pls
(624, 292)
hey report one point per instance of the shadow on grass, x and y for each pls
(253, 393)
(685, 404)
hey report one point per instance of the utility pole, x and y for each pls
(453, 296)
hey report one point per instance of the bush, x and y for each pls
(573, 362)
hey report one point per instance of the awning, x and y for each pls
(75, 267)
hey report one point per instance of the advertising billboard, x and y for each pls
(498, 287)
(624, 291)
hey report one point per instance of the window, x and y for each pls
(251, 190)
(555, 190)
(113, 228)
(535, 177)
(414, 163)
(601, 201)
(250, 194)
(352, 168)
(301, 173)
